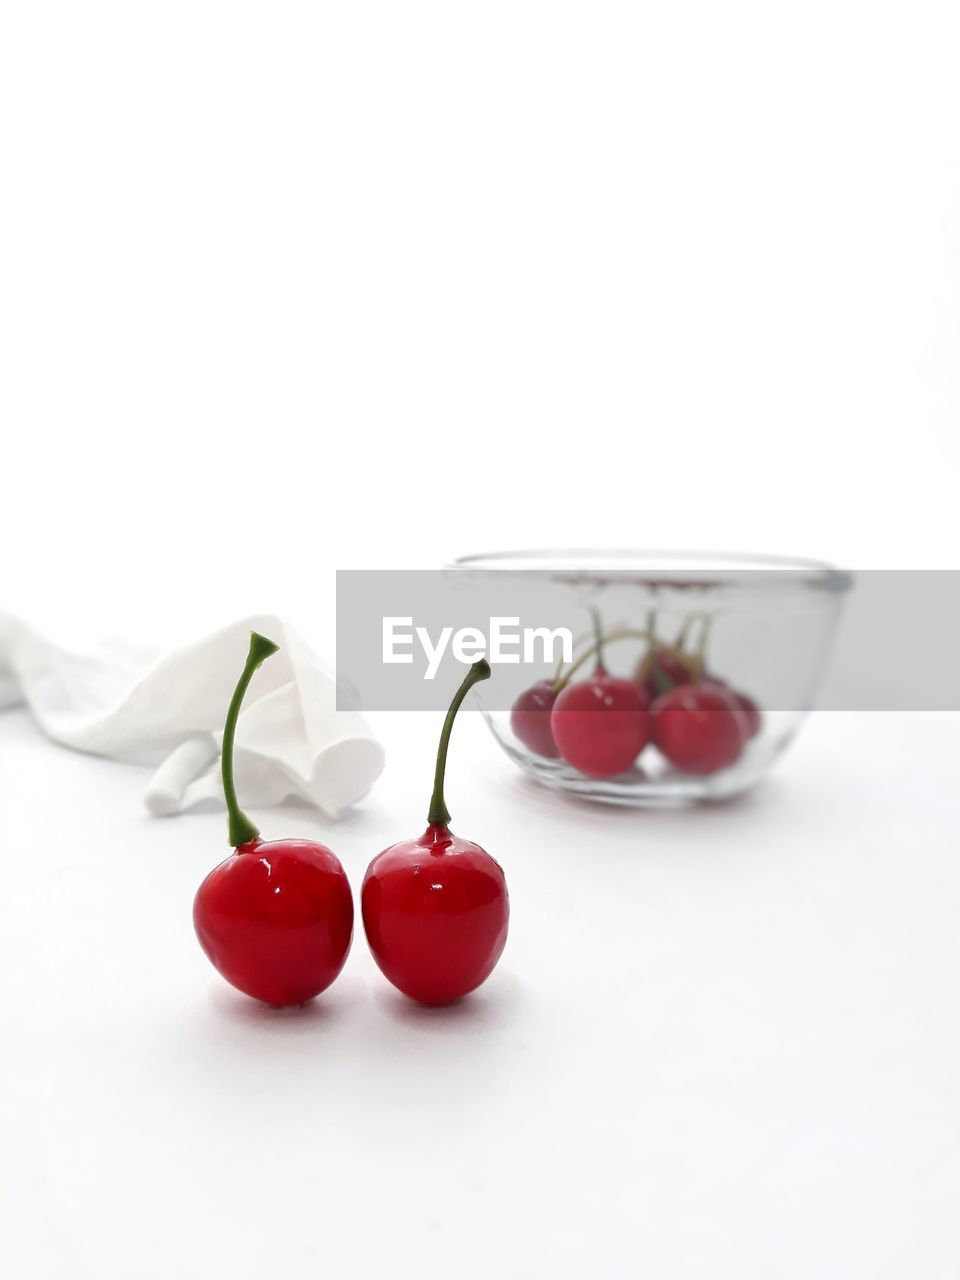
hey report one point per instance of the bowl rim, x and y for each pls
(672, 567)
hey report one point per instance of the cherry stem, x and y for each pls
(578, 641)
(684, 631)
(240, 829)
(439, 814)
(597, 637)
(624, 633)
(700, 657)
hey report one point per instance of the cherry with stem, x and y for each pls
(532, 709)
(600, 724)
(276, 917)
(435, 909)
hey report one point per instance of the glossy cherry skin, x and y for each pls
(276, 919)
(700, 728)
(530, 718)
(435, 911)
(601, 725)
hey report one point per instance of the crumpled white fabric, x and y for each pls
(168, 710)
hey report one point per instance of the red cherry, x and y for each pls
(275, 918)
(662, 670)
(530, 718)
(435, 910)
(752, 713)
(601, 725)
(700, 728)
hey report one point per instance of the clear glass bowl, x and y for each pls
(767, 625)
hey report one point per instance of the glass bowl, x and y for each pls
(759, 627)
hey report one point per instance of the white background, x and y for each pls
(292, 287)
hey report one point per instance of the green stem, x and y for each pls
(439, 814)
(241, 829)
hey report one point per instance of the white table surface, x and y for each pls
(721, 1043)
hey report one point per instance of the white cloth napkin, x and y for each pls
(168, 710)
